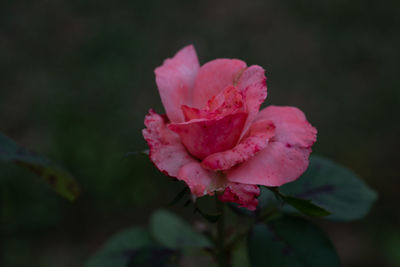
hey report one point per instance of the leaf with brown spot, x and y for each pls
(332, 187)
(58, 178)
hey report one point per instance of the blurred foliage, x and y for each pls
(77, 79)
(334, 188)
(169, 241)
(174, 233)
(121, 247)
(274, 236)
(290, 241)
(59, 179)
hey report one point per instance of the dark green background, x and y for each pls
(77, 79)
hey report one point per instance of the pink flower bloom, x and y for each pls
(214, 137)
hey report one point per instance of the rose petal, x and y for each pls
(175, 80)
(256, 139)
(204, 137)
(252, 82)
(286, 156)
(213, 77)
(292, 127)
(201, 181)
(166, 150)
(194, 113)
(229, 101)
(243, 194)
(273, 166)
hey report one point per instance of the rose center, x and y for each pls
(214, 129)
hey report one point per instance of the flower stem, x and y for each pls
(220, 244)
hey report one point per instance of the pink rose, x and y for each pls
(214, 137)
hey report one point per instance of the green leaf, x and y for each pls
(290, 241)
(59, 179)
(122, 248)
(174, 233)
(266, 198)
(306, 206)
(263, 248)
(334, 188)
